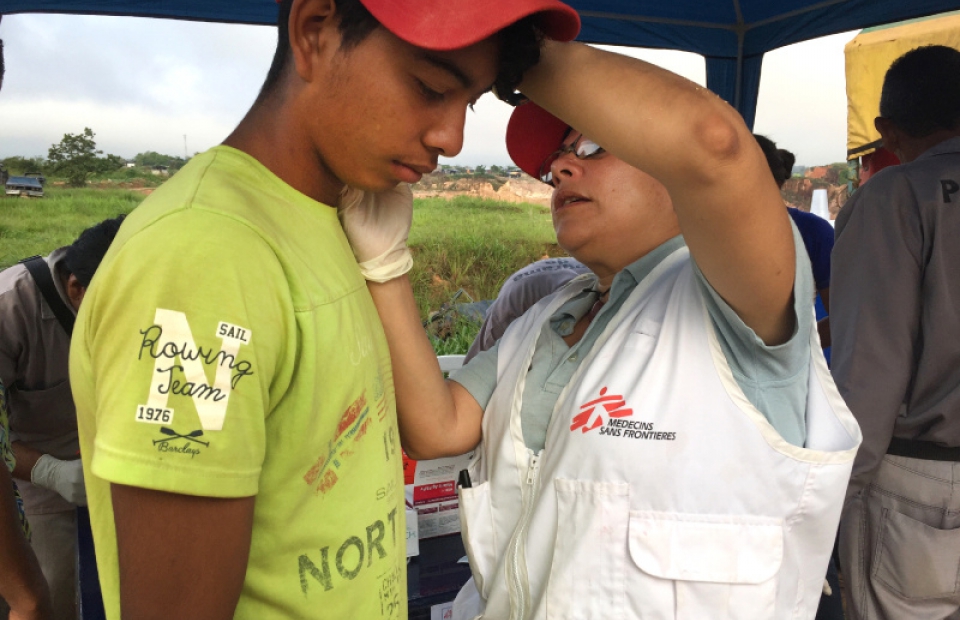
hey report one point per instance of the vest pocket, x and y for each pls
(587, 572)
(906, 545)
(476, 527)
(722, 567)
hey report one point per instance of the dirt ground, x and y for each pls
(511, 190)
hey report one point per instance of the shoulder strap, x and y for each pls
(40, 271)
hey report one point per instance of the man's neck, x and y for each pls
(269, 134)
(913, 148)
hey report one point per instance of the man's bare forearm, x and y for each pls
(26, 458)
(22, 585)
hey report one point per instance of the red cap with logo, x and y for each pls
(442, 25)
(532, 135)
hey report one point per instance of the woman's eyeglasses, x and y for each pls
(582, 148)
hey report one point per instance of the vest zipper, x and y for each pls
(517, 566)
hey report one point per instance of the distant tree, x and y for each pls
(480, 170)
(495, 169)
(111, 163)
(150, 159)
(77, 158)
(17, 165)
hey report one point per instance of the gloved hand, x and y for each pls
(64, 477)
(377, 226)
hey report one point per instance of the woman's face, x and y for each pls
(606, 213)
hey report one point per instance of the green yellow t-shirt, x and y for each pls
(228, 347)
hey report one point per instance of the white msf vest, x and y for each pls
(662, 492)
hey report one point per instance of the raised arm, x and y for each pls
(437, 418)
(727, 203)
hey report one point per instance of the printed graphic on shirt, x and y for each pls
(589, 418)
(353, 426)
(592, 413)
(378, 397)
(364, 550)
(181, 367)
(949, 188)
(190, 445)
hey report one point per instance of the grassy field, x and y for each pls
(464, 243)
(31, 226)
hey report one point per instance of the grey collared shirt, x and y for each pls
(34, 364)
(895, 306)
(773, 378)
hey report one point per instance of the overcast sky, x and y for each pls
(144, 84)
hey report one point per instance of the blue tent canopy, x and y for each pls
(732, 35)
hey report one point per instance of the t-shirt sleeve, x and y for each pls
(479, 375)
(187, 331)
(773, 378)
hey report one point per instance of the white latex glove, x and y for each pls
(377, 226)
(64, 477)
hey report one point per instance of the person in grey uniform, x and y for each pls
(34, 355)
(522, 289)
(896, 359)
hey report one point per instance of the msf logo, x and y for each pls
(591, 413)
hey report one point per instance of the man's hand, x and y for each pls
(377, 226)
(31, 614)
(64, 477)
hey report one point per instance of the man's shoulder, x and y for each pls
(545, 275)
(17, 287)
(809, 223)
(10, 276)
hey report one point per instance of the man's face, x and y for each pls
(606, 210)
(387, 110)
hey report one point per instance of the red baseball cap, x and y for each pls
(532, 135)
(442, 25)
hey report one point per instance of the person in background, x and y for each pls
(23, 589)
(521, 290)
(233, 384)
(34, 364)
(896, 359)
(24, 594)
(816, 232)
(648, 431)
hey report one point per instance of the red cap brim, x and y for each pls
(453, 24)
(532, 134)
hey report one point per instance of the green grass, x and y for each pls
(473, 244)
(30, 226)
(464, 243)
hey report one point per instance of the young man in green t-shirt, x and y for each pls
(232, 380)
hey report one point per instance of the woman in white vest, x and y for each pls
(660, 438)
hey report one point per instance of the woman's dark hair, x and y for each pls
(921, 91)
(788, 159)
(519, 46)
(774, 161)
(84, 255)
